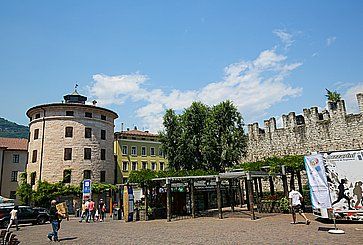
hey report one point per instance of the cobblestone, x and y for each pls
(274, 229)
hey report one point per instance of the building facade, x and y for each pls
(329, 130)
(13, 157)
(71, 141)
(136, 150)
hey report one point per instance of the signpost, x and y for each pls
(87, 189)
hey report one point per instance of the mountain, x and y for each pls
(12, 130)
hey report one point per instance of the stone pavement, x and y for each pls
(274, 229)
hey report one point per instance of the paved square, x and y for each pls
(274, 229)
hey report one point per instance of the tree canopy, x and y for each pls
(204, 137)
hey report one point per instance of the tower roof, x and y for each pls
(75, 97)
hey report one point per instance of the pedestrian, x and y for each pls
(54, 217)
(87, 213)
(83, 211)
(13, 218)
(295, 199)
(92, 209)
(102, 210)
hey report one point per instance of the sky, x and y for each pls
(140, 58)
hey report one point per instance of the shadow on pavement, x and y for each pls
(68, 238)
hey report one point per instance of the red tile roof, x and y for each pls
(138, 133)
(14, 144)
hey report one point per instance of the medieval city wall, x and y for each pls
(328, 130)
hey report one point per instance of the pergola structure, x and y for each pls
(233, 177)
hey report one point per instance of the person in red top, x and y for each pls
(92, 209)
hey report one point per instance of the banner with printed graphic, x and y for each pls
(319, 189)
(344, 172)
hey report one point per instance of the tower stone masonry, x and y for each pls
(328, 130)
(70, 141)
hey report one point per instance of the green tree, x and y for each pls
(193, 122)
(24, 191)
(170, 139)
(224, 141)
(333, 96)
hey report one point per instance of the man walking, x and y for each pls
(295, 203)
(13, 218)
(102, 210)
(92, 210)
(83, 211)
(87, 213)
(54, 220)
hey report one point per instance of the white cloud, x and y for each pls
(253, 86)
(285, 37)
(330, 40)
(350, 97)
(115, 89)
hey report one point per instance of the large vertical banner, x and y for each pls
(128, 203)
(345, 177)
(86, 190)
(319, 189)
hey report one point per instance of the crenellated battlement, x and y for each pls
(330, 129)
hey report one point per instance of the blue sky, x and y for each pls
(141, 57)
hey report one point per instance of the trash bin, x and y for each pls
(116, 214)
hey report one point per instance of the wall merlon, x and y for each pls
(292, 119)
(360, 102)
(272, 124)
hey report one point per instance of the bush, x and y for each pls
(284, 205)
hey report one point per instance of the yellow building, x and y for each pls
(136, 150)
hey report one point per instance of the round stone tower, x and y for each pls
(71, 141)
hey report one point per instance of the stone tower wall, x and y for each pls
(328, 130)
(55, 142)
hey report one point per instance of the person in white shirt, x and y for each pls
(295, 203)
(13, 218)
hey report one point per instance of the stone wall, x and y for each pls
(328, 130)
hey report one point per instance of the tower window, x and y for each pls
(67, 154)
(69, 132)
(67, 173)
(32, 178)
(34, 156)
(88, 114)
(103, 176)
(87, 174)
(87, 153)
(103, 154)
(36, 134)
(88, 133)
(70, 113)
(103, 134)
